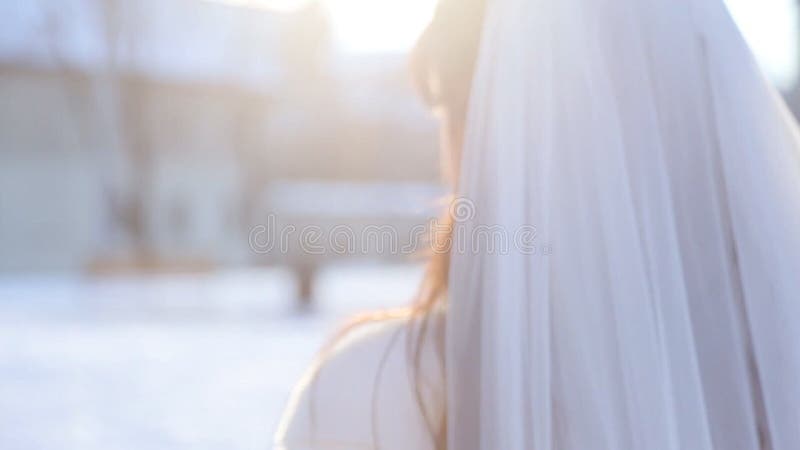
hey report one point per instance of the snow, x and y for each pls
(162, 362)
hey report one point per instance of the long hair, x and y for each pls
(441, 66)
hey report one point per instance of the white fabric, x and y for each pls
(362, 395)
(662, 171)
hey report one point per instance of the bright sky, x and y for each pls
(369, 26)
(770, 27)
(365, 26)
(379, 25)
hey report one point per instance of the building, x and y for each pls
(148, 134)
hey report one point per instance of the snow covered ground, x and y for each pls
(166, 362)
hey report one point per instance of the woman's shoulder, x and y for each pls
(380, 385)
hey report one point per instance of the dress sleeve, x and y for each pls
(362, 396)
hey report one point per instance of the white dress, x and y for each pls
(658, 304)
(363, 395)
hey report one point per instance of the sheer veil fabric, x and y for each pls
(658, 307)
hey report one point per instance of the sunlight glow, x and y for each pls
(275, 5)
(371, 26)
(770, 27)
(381, 26)
(363, 26)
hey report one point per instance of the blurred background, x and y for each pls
(142, 142)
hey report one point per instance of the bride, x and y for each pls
(655, 306)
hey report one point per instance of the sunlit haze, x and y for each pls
(379, 25)
(364, 26)
(383, 26)
(770, 27)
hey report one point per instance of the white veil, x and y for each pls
(658, 306)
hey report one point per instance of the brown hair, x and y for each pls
(442, 65)
(442, 68)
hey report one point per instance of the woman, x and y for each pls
(657, 305)
(381, 383)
